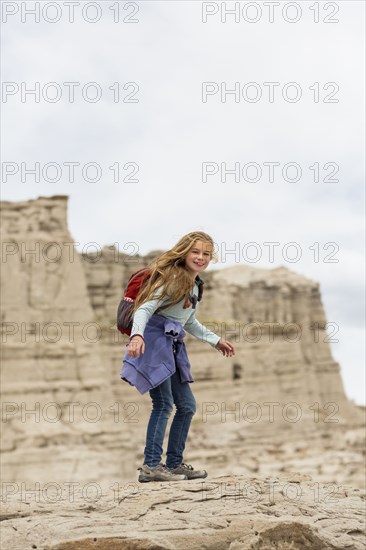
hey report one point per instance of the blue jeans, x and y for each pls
(170, 392)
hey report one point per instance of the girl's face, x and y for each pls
(198, 258)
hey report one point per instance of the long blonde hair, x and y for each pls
(169, 271)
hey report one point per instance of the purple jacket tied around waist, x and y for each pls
(159, 361)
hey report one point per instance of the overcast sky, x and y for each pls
(173, 65)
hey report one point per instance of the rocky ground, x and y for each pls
(291, 511)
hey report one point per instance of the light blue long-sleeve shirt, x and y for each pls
(187, 317)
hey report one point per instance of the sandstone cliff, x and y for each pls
(277, 407)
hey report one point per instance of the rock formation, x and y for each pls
(277, 407)
(52, 371)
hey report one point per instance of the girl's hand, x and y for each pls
(136, 346)
(226, 348)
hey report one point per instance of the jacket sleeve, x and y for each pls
(201, 332)
(144, 312)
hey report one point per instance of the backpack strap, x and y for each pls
(200, 284)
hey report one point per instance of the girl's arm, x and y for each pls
(144, 312)
(201, 332)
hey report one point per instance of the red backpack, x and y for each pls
(135, 283)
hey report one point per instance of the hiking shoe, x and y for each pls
(189, 471)
(158, 473)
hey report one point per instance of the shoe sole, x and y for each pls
(149, 480)
(198, 477)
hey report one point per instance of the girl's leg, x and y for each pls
(186, 407)
(162, 402)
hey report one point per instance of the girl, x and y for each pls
(156, 359)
